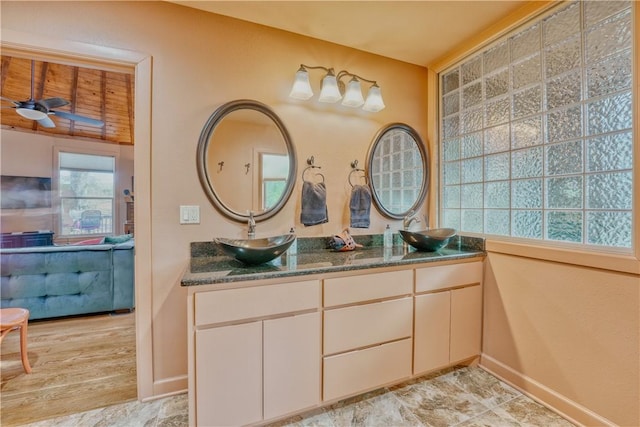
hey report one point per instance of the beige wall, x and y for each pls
(200, 61)
(29, 154)
(567, 334)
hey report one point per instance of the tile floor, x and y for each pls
(462, 396)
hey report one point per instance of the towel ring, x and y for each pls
(312, 167)
(357, 170)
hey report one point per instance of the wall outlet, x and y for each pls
(189, 214)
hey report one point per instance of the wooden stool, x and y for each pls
(16, 318)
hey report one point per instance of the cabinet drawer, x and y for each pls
(244, 303)
(356, 371)
(347, 290)
(448, 276)
(362, 325)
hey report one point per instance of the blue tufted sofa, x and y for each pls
(53, 281)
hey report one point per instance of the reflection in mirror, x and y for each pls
(273, 178)
(398, 170)
(241, 141)
(246, 160)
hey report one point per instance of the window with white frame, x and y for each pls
(536, 130)
(86, 186)
(274, 174)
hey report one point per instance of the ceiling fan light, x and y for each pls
(330, 92)
(301, 88)
(374, 102)
(31, 114)
(353, 96)
(46, 122)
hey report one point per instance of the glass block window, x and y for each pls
(537, 130)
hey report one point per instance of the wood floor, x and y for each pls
(79, 364)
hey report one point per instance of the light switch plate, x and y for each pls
(189, 214)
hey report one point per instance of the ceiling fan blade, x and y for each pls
(46, 123)
(50, 103)
(77, 118)
(16, 103)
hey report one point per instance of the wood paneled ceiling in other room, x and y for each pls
(94, 93)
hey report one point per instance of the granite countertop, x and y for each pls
(210, 266)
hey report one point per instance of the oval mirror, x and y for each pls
(397, 170)
(246, 160)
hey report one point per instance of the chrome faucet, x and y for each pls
(408, 220)
(252, 226)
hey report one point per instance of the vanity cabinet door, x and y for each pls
(257, 352)
(229, 377)
(431, 331)
(291, 364)
(466, 322)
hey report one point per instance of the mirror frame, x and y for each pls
(203, 148)
(425, 164)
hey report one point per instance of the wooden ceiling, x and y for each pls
(98, 94)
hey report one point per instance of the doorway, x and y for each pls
(84, 146)
(139, 66)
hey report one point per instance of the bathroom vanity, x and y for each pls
(270, 341)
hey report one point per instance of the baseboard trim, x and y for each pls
(162, 396)
(542, 394)
(168, 387)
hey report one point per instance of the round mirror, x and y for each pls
(397, 170)
(246, 160)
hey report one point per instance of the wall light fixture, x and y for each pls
(332, 89)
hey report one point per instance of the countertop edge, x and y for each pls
(209, 279)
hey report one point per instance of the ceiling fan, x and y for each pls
(40, 110)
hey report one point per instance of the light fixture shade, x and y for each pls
(28, 113)
(374, 101)
(330, 92)
(301, 88)
(353, 96)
